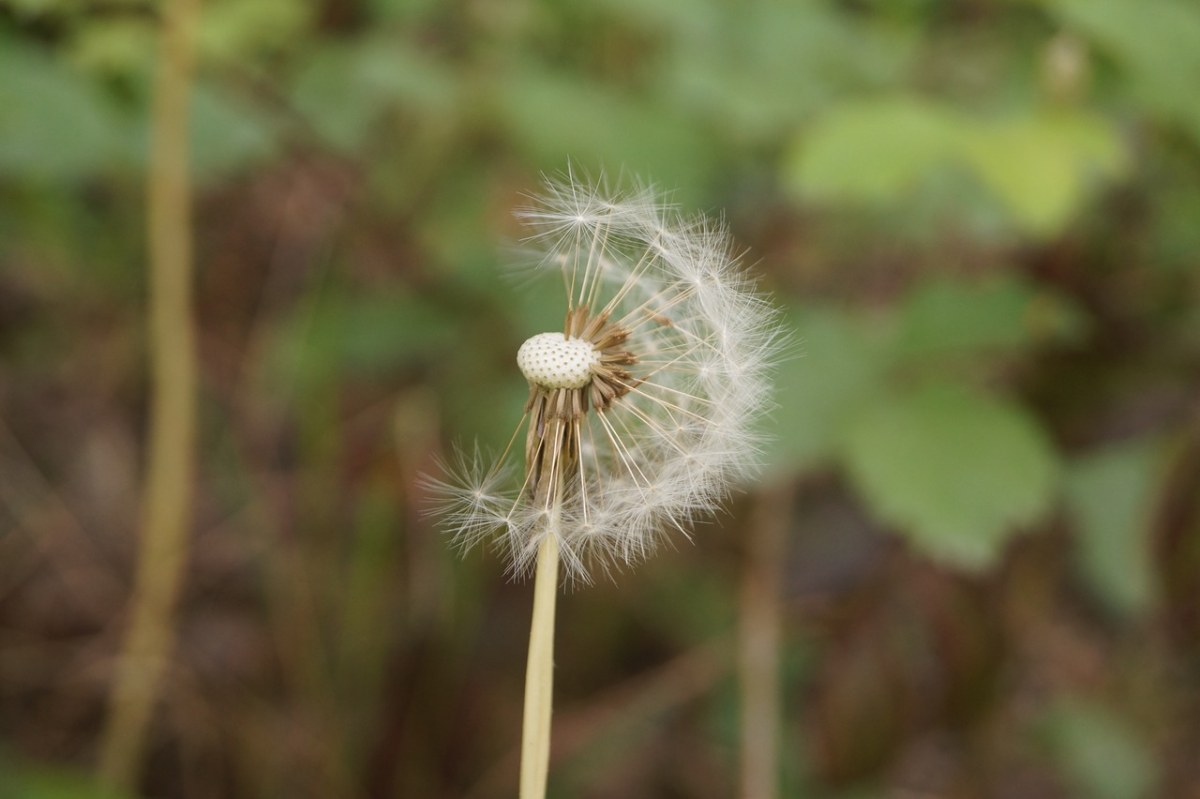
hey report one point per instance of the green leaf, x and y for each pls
(1039, 165)
(873, 150)
(1111, 496)
(837, 366)
(117, 46)
(234, 31)
(1000, 314)
(1097, 752)
(55, 123)
(957, 472)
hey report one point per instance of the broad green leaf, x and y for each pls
(957, 472)
(73, 131)
(834, 365)
(1101, 756)
(1000, 314)
(1111, 496)
(55, 123)
(345, 91)
(873, 150)
(236, 31)
(1039, 166)
(119, 46)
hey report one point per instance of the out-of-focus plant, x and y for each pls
(907, 413)
(984, 216)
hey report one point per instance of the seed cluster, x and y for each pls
(568, 372)
(551, 360)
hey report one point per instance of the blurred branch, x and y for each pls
(758, 645)
(169, 466)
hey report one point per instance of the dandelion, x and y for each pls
(641, 410)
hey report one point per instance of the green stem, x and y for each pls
(539, 670)
(166, 500)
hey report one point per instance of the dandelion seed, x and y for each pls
(641, 409)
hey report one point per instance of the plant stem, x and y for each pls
(539, 669)
(759, 645)
(166, 501)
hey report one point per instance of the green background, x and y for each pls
(981, 219)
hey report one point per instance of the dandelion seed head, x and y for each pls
(642, 410)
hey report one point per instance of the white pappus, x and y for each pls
(642, 410)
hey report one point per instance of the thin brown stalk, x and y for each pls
(166, 500)
(759, 644)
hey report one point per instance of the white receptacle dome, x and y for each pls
(551, 360)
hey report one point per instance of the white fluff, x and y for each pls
(668, 450)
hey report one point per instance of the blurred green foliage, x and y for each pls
(1036, 166)
(958, 470)
(980, 218)
(50, 783)
(1111, 492)
(1100, 756)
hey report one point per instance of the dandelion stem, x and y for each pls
(539, 670)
